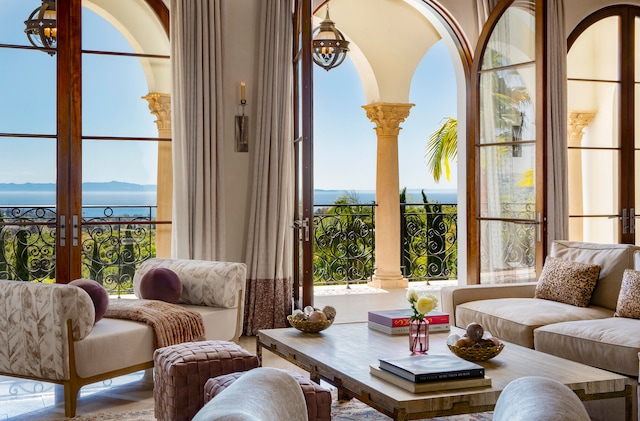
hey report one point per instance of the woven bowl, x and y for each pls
(476, 353)
(309, 327)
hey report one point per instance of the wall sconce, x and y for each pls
(516, 136)
(242, 123)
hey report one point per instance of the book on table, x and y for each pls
(434, 386)
(395, 318)
(403, 330)
(431, 367)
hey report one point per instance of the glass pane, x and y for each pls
(27, 160)
(112, 91)
(119, 172)
(14, 14)
(28, 92)
(593, 110)
(513, 37)
(595, 230)
(596, 52)
(507, 105)
(507, 182)
(100, 35)
(507, 252)
(593, 182)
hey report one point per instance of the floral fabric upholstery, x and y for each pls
(205, 283)
(33, 327)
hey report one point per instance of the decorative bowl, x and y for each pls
(308, 326)
(476, 353)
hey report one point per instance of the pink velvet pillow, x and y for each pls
(98, 295)
(161, 284)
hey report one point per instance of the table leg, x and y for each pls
(259, 353)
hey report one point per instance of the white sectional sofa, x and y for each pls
(47, 331)
(590, 335)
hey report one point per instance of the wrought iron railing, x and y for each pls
(345, 242)
(114, 241)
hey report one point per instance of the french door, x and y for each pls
(603, 70)
(303, 128)
(74, 132)
(506, 204)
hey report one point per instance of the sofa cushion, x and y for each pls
(613, 260)
(98, 295)
(611, 344)
(629, 298)
(514, 319)
(161, 284)
(567, 282)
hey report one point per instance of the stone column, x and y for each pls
(577, 121)
(160, 106)
(387, 117)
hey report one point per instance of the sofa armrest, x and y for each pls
(204, 282)
(33, 327)
(451, 297)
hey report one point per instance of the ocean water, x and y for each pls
(138, 202)
(328, 197)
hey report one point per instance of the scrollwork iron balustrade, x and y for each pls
(115, 240)
(344, 244)
(429, 241)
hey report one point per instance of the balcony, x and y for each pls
(115, 240)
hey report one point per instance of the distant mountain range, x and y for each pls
(87, 187)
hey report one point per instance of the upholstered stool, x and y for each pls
(180, 372)
(317, 398)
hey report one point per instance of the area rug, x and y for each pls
(343, 410)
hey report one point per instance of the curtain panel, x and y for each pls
(268, 298)
(557, 189)
(197, 130)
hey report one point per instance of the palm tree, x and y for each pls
(442, 148)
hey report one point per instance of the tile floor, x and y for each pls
(27, 400)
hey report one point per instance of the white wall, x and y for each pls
(240, 56)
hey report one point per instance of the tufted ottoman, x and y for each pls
(317, 398)
(180, 372)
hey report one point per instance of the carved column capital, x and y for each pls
(577, 121)
(387, 116)
(160, 106)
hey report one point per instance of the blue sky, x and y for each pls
(345, 140)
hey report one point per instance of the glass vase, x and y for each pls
(419, 336)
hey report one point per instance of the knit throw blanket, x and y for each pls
(171, 323)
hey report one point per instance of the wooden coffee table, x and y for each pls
(342, 354)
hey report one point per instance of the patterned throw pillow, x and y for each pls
(567, 282)
(629, 297)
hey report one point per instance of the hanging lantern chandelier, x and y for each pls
(41, 28)
(329, 47)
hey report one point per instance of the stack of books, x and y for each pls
(430, 372)
(396, 322)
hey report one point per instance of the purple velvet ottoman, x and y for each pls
(180, 372)
(318, 398)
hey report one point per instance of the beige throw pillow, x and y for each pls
(629, 297)
(567, 282)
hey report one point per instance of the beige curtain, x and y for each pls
(196, 104)
(269, 243)
(484, 7)
(556, 109)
